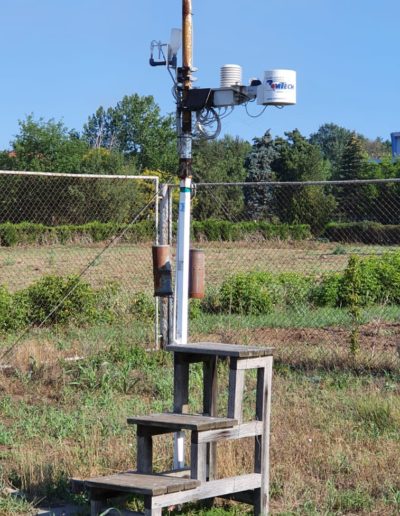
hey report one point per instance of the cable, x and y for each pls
(207, 118)
(255, 116)
(81, 274)
(168, 68)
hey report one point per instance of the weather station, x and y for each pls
(199, 114)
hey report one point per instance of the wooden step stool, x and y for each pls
(206, 430)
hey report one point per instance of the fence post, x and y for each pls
(164, 239)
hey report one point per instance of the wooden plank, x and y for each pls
(178, 422)
(249, 429)
(236, 388)
(242, 497)
(252, 363)
(210, 490)
(141, 484)
(221, 349)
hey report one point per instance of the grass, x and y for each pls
(335, 437)
(15, 506)
(335, 430)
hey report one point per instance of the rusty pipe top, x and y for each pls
(187, 41)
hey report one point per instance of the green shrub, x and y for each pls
(48, 300)
(212, 301)
(142, 306)
(360, 284)
(13, 310)
(5, 308)
(195, 308)
(27, 233)
(387, 270)
(363, 232)
(8, 234)
(291, 289)
(325, 292)
(225, 231)
(246, 293)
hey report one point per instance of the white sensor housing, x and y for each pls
(278, 88)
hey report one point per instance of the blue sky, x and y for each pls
(63, 58)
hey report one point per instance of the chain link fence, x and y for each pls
(311, 268)
(85, 235)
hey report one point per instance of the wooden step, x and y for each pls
(150, 485)
(177, 422)
(220, 349)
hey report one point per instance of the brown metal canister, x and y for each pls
(197, 274)
(162, 271)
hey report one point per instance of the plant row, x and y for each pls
(364, 282)
(63, 300)
(27, 233)
(363, 232)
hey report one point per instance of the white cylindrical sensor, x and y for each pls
(278, 88)
(231, 75)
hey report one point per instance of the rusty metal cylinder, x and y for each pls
(162, 271)
(197, 274)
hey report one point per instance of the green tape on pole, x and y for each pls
(185, 189)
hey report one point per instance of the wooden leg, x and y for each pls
(261, 462)
(198, 460)
(97, 502)
(210, 408)
(96, 507)
(181, 384)
(144, 462)
(236, 387)
(148, 510)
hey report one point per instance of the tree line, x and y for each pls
(134, 138)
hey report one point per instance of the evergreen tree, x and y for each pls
(299, 160)
(217, 161)
(356, 202)
(258, 199)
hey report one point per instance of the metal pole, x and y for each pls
(185, 174)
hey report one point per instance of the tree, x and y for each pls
(376, 149)
(47, 146)
(219, 161)
(258, 199)
(135, 128)
(332, 140)
(299, 160)
(50, 147)
(355, 201)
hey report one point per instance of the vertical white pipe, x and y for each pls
(157, 332)
(182, 262)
